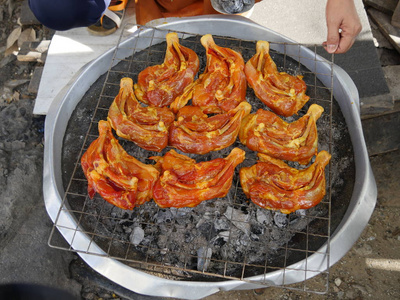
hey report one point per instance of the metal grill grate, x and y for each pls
(228, 238)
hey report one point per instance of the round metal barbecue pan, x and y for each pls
(350, 209)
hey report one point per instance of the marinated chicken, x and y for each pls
(222, 86)
(282, 93)
(267, 133)
(159, 85)
(145, 126)
(118, 177)
(195, 132)
(185, 183)
(272, 184)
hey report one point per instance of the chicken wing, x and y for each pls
(282, 93)
(272, 184)
(267, 133)
(118, 177)
(222, 86)
(185, 183)
(195, 132)
(145, 126)
(159, 85)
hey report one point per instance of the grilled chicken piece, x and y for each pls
(272, 184)
(119, 178)
(222, 86)
(195, 132)
(267, 133)
(282, 93)
(185, 183)
(145, 126)
(159, 85)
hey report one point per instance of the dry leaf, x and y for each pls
(13, 37)
(28, 35)
(16, 96)
(12, 50)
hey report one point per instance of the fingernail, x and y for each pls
(331, 48)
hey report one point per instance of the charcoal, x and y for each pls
(137, 235)
(239, 219)
(264, 216)
(254, 237)
(242, 242)
(219, 241)
(281, 220)
(301, 212)
(206, 229)
(188, 237)
(163, 216)
(256, 229)
(183, 212)
(221, 224)
(203, 258)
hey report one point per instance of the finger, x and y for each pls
(345, 44)
(333, 37)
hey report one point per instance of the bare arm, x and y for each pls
(343, 25)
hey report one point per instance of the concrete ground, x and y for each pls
(369, 270)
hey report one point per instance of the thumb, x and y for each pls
(333, 38)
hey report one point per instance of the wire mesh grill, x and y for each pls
(227, 238)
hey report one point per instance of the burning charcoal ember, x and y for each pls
(281, 220)
(137, 236)
(203, 258)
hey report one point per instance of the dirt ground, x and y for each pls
(370, 270)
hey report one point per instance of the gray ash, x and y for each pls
(219, 235)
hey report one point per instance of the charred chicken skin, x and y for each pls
(222, 86)
(272, 184)
(119, 178)
(145, 126)
(159, 85)
(282, 93)
(267, 133)
(195, 132)
(185, 183)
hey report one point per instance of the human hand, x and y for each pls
(343, 25)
